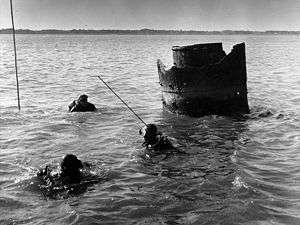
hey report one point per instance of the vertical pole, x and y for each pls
(15, 50)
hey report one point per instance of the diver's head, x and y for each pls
(70, 164)
(149, 132)
(83, 98)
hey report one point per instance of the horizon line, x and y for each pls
(146, 29)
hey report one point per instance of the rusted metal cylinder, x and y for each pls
(197, 55)
(204, 80)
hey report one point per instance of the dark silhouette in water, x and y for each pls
(157, 143)
(70, 171)
(205, 81)
(82, 105)
(70, 180)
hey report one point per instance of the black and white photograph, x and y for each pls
(149, 112)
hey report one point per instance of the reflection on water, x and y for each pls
(237, 171)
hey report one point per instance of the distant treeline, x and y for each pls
(146, 32)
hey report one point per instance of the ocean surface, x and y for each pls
(237, 171)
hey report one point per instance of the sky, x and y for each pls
(205, 15)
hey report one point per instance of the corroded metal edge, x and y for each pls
(219, 88)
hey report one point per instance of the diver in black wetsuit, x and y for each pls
(73, 178)
(82, 105)
(69, 171)
(156, 142)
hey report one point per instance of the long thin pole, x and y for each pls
(15, 50)
(122, 100)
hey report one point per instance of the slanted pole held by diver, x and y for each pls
(122, 101)
(15, 51)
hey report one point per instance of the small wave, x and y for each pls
(260, 112)
(10, 203)
(238, 183)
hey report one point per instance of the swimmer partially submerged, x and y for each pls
(82, 105)
(156, 142)
(69, 170)
(69, 179)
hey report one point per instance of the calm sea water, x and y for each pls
(238, 171)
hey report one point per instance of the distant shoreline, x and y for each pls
(148, 32)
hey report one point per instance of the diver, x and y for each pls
(69, 171)
(156, 142)
(72, 179)
(82, 105)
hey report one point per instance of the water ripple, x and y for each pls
(241, 170)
